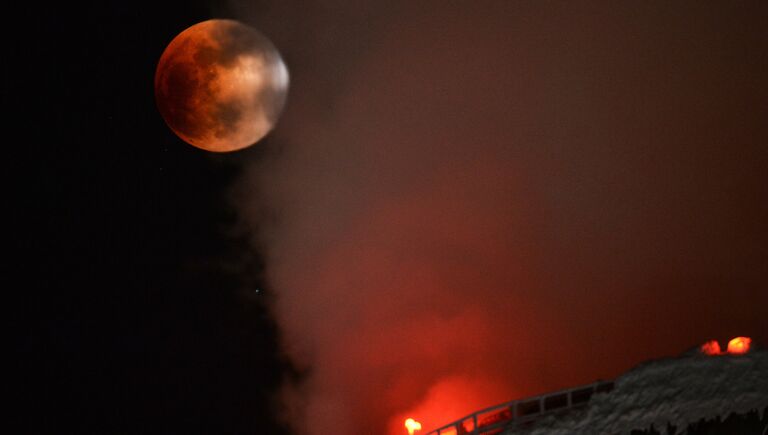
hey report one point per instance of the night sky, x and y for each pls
(134, 316)
(463, 203)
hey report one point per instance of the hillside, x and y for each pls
(692, 393)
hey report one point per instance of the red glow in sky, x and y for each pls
(472, 203)
(450, 399)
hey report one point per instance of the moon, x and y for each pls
(220, 85)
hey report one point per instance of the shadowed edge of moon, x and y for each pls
(221, 85)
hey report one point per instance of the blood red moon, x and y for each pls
(220, 85)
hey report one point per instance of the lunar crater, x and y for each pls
(221, 85)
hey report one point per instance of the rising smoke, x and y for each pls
(467, 203)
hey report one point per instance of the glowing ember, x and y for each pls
(739, 345)
(412, 426)
(712, 347)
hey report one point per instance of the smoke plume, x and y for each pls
(466, 202)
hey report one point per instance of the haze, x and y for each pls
(470, 202)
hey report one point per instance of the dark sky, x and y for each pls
(463, 203)
(131, 311)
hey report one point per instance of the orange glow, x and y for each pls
(712, 347)
(449, 399)
(412, 426)
(739, 345)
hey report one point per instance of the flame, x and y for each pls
(712, 347)
(412, 426)
(739, 345)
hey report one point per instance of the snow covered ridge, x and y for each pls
(677, 391)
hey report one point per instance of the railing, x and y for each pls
(497, 418)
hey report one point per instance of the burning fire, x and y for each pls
(412, 426)
(712, 347)
(739, 345)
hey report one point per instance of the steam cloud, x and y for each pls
(465, 204)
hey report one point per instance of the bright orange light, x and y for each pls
(712, 347)
(412, 426)
(739, 345)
